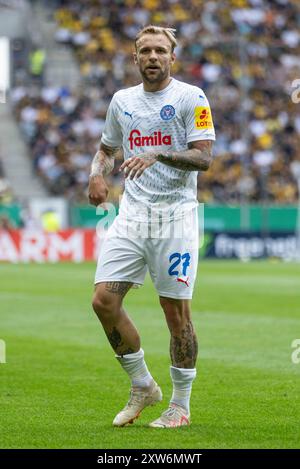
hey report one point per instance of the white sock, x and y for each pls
(136, 368)
(182, 385)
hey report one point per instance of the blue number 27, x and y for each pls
(175, 260)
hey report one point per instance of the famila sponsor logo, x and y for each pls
(156, 139)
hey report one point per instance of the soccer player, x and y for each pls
(165, 129)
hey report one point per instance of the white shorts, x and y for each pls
(169, 251)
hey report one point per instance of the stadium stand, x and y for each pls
(245, 54)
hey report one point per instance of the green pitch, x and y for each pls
(61, 385)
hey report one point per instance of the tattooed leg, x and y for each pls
(183, 344)
(184, 347)
(120, 343)
(119, 288)
(119, 329)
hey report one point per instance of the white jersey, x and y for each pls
(160, 121)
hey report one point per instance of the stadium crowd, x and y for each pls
(245, 54)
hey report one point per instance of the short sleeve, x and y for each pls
(197, 116)
(112, 133)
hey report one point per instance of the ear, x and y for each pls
(173, 58)
(135, 59)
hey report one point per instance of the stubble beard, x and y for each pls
(161, 76)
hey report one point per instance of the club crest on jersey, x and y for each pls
(203, 119)
(156, 139)
(167, 112)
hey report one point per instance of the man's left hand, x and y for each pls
(135, 166)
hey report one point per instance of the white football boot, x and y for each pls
(139, 399)
(174, 416)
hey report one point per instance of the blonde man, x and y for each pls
(165, 129)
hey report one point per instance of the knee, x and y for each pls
(102, 305)
(177, 313)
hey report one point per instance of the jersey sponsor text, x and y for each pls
(157, 139)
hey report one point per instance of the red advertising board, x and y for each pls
(75, 245)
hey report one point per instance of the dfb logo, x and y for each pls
(296, 353)
(2, 351)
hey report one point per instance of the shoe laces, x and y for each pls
(171, 412)
(136, 396)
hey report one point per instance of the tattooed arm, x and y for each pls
(102, 164)
(196, 158)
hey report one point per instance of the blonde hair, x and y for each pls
(150, 29)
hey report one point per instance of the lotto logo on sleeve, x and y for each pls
(203, 119)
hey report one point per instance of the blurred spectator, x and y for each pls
(37, 58)
(50, 221)
(6, 193)
(5, 223)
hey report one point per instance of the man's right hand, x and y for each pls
(98, 190)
